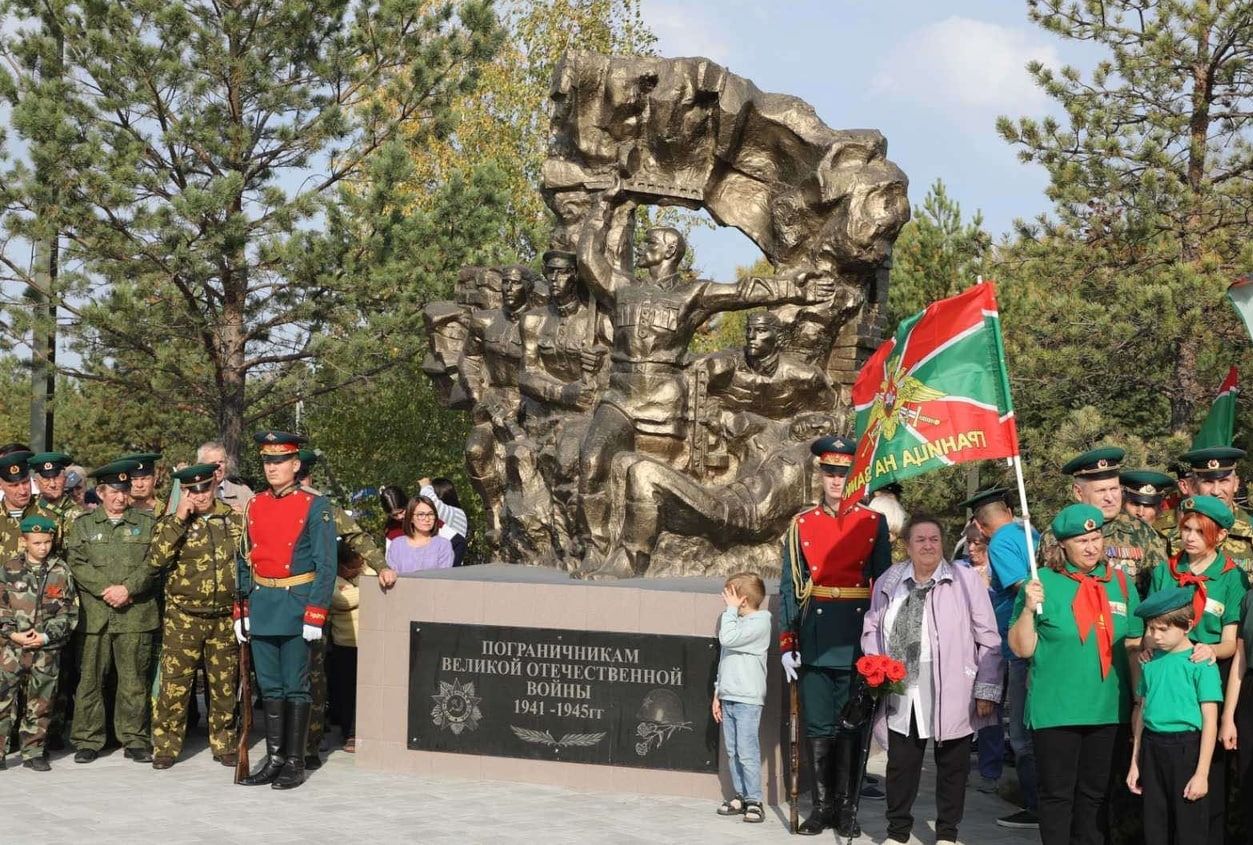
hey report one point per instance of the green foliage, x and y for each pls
(937, 255)
(195, 147)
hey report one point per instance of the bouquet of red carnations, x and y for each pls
(882, 674)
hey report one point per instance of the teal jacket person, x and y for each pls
(286, 574)
(829, 560)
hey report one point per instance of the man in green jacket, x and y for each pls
(106, 550)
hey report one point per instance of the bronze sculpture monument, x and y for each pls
(601, 445)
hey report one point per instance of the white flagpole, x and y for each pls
(1026, 515)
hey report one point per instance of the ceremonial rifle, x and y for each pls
(245, 711)
(794, 758)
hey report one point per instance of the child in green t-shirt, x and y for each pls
(1175, 725)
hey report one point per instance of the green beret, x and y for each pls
(1075, 520)
(145, 463)
(14, 466)
(49, 464)
(1145, 486)
(118, 473)
(1164, 601)
(1210, 506)
(1213, 463)
(36, 524)
(1096, 464)
(196, 477)
(983, 497)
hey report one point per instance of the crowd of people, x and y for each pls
(116, 600)
(1115, 664)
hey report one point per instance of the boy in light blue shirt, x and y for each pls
(740, 690)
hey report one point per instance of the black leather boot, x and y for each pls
(296, 718)
(274, 755)
(820, 779)
(846, 782)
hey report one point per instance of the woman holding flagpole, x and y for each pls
(1076, 623)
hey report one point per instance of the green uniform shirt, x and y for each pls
(1173, 689)
(1065, 685)
(1224, 590)
(102, 555)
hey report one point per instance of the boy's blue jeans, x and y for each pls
(740, 725)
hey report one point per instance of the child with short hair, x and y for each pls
(38, 612)
(740, 690)
(1176, 725)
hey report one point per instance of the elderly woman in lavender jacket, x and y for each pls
(937, 619)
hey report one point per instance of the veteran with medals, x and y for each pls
(829, 561)
(286, 575)
(1131, 545)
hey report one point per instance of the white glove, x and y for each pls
(312, 633)
(241, 629)
(791, 662)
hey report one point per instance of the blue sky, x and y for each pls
(932, 76)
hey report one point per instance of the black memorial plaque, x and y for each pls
(576, 696)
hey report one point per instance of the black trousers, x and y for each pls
(1167, 763)
(342, 687)
(1244, 748)
(952, 764)
(1074, 765)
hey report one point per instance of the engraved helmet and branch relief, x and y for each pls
(601, 444)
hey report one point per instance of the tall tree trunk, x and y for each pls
(1186, 392)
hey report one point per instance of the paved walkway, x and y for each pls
(117, 801)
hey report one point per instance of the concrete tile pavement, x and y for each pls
(117, 801)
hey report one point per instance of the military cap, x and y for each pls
(37, 524)
(308, 457)
(1096, 464)
(14, 466)
(116, 474)
(1213, 463)
(49, 464)
(146, 463)
(555, 255)
(197, 477)
(834, 453)
(983, 497)
(278, 446)
(1145, 486)
(1164, 601)
(1211, 506)
(1077, 519)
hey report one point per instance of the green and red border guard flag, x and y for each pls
(935, 395)
(1220, 423)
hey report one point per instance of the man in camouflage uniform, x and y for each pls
(1214, 474)
(18, 501)
(144, 484)
(351, 542)
(194, 548)
(1130, 545)
(38, 611)
(106, 550)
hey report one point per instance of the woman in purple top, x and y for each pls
(421, 547)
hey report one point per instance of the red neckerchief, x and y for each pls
(1189, 578)
(1091, 609)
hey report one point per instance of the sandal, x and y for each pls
(753, 812)
(732, 807)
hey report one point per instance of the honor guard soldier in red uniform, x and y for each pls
(829, 561)
(286, 574)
